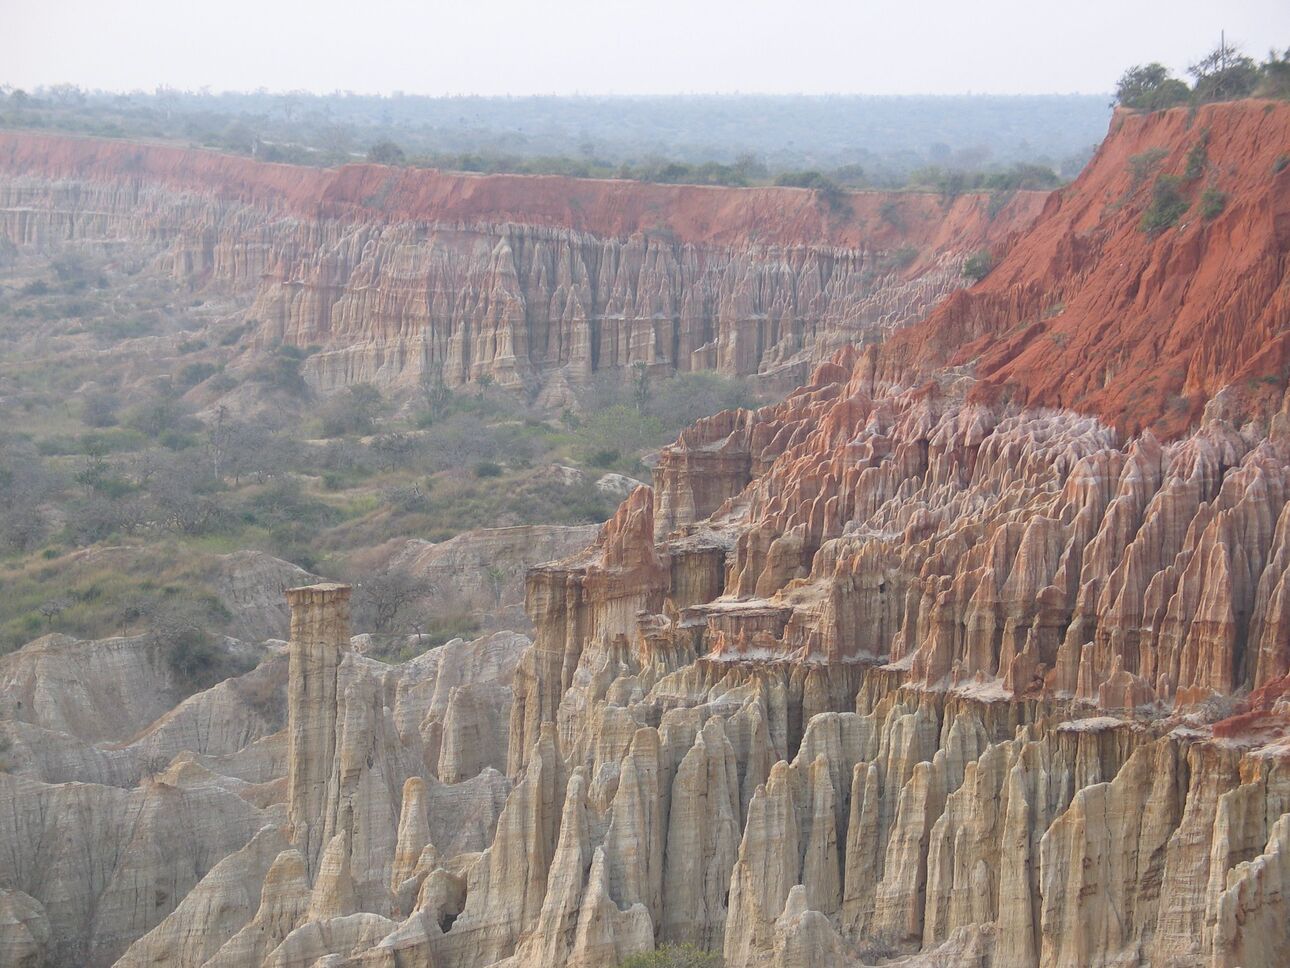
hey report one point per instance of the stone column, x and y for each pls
(319, 638)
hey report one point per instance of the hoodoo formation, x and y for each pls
(534, 282)
(975, 650)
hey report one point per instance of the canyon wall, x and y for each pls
(921, 666)
(529, 280)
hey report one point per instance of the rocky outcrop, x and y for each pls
(533, 281)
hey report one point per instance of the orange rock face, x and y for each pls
(1088, 311)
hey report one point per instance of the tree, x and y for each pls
(180, 630)
(381, 598)
(1224, 74)
(219, 438)
(386, 153)
(435, 394)
(54, 607)
(497, 582)
(640, 386)
(1275, 74)
(1149, 87)
(394, 450)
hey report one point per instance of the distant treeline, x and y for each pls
(852, 141)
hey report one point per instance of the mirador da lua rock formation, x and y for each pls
(535, 282)
(944, 660)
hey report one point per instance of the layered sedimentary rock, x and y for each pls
(536, 282)
(896, 669)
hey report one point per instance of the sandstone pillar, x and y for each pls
(319, 638)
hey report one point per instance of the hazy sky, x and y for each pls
(610, 46)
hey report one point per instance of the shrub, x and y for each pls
(674, 956)
(99, 408)
(1167, 205)
(195, 373)
(904, 257)
(1142, 165)
(1212, 203)
(891, 213)
(386, 153)
(352, 412)
(1197, 158)
(487, 468)
(978, 265)
(282, 371)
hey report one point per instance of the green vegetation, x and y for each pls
(1197, 158)
(1212, 203)
(1150, 87)
(1224, 74)
(978, 265)
(117, 493)
(1143, 165)
(674, 956)
(1166, 207)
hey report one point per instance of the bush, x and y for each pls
(828, 191)
(197, 659)
(352, 412)
(1167, 205)
(195, 373)
(1142, 165)
(1197, 158)
(978, 265)
(486, 468)
(282, 372)
(99, 408)
(1212, 203)
(386, 153)
(674, 956)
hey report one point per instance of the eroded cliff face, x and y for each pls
(899, 670)
(532, 281)
(1091, 313)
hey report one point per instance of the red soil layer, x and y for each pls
(688, 213)
(1088, 311)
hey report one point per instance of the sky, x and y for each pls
(616, 47)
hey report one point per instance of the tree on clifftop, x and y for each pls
(1150, 88)
(1224, 74)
